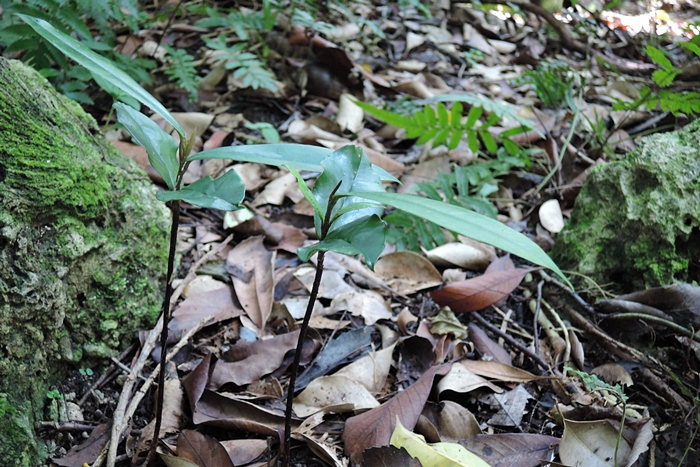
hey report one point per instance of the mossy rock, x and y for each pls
(82, 250)
(636, 222)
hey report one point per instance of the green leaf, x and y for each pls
(299, 156)
(160, 146)
(365, 236)
(658, 57)
(352, 169)
(443, 116)
(100, 66)
(306, 192)
(469, 224)
(224, 193)
(473, 116)
(384, 115)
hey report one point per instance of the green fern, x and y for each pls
(248, 69)
(441, 125)
(180, 67)
(468, 186)
(71, 17)
(687, 102)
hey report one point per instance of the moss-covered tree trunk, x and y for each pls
(82, 250)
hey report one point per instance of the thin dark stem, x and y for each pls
(175, 210)
(297, 358)
(325, 227)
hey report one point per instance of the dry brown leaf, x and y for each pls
(246, 362)
(463, 381)
(195, 308)
(407, 272)
(487, 346)
(88, 450)
(512, 450)
(202, 450)
(500, 371)
(218, 410)
(459, 254)
(334, 391)
(244, 451)
(365, 303)
(371, 371)
(251, 267)
(451, 421)
(374, 428)
(499, 280)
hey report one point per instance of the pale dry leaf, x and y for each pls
(333, 390)
(368, 304)
(463, 381)
(511, 406)
(407, 272)
(370, 371)
(594, 441)
(500, 371)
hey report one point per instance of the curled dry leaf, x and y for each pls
(463, 381)
(500, 371)
(464, 255)
(196, 307)
(594, 441)
(371, 370)
(244, 451)
(374, 427)
(451, 421)
(406, 272)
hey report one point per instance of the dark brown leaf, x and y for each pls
(374, 427)
(487, 346)
(389, 456)
(88, 451)
(512, 450)
(202, 450)
(217, 410)
(195, 383)
(499, 280)
(250, 266)
(195, 308)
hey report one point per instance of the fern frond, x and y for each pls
(181, 68)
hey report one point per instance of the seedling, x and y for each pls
(348, 197)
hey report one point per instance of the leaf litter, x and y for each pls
(435, 372)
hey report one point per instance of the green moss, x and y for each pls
(82, 242)
(636, 222)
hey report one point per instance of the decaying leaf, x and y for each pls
(374, 427)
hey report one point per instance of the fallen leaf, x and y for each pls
(251, 267)
(460, 254)
(202, 450)
(594, 441)
(365, 303)
(245, 451)
(451, 421)
(389, 456)
(463, 381)
(435, 455)
(513, 449)
(499, 280)
(406, 272)
(195, 308)
(333, 390)
(88, 450)
(500, 371)
(487, 346)
(511, 406)
(375, 427)
(446, 322)
(370, 371)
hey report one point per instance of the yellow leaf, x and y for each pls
(438, 454)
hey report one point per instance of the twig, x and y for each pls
(138, 396)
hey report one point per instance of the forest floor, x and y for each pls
(491, 373)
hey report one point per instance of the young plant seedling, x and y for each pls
(348, 196)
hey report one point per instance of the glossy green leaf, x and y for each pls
(99, 66)
(299, 156)
(365, 236)
(224, 193)
(306, 191)
(160, 146)
(352, 169)
(384, 115)
(469, 224)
